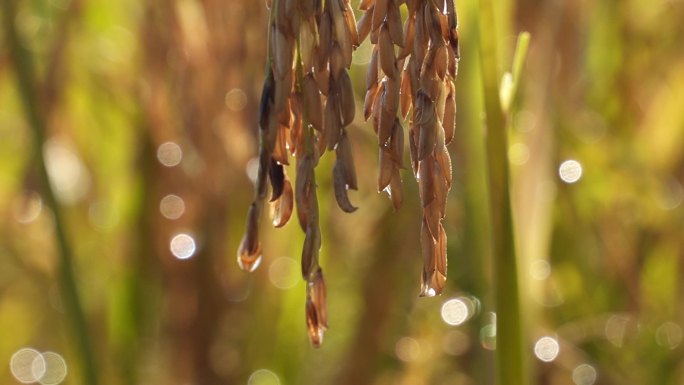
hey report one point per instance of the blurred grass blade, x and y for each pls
(510, 361)
(23, 65)
(519, 57)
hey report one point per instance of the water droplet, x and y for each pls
(671, 195)
(27, 365)
(284, 273)
(546, 349)
(172, 206)
(488, 333)
(169, 154)
(263, 377)
(55, 369)
(455, 311)
(236, 100)
(616, 329)
(669, 335)
(248, 262)
(182, 246)
(584, 374)
(540, 269)
(28, 207)
(570, 171)
(407, 349)
(524, 121)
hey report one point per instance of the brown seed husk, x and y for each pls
(319, 297)
(385, 125)
(441, 189)
(427, 126)
(377, 105)
(425, 181)
(386, 53)
(283, 53)
(325, 39)
(341, 32)
(372, 74)
(280, 148)
(369, 100)
(307, 44)
(340, 186)
(405, 94)
(413, 151)
(262, 174)
(312, 102)
(386, 165)
(276, 175)
(390, 100)
(379, 13)
(346, 157)
(444, 160)
(303, 185)
(322, 75)
(409, 33)
(350, 19)
(333, 125)
(366, 5)
(337, 62)
(312, 244)
(312, 324)
(394, 23)
(449, 121)
(347, 105)
(397, 144)
(363, 27)
(281, 209)
(441, 61)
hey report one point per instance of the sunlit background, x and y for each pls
(151, 116)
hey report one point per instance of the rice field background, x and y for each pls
(145, 116)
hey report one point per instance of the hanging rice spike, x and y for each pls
(433, 120)
(383, 85)
(308, 102)
(421, 76)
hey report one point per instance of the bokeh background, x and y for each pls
(150, 113)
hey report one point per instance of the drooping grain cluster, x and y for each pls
(420, 76)
(307, 102)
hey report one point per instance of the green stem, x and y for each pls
(68, 290)
(510, 351)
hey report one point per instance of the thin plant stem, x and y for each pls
(23, 64)
(510, 358)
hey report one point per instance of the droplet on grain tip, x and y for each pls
(318, 297)
(249, 252)
(312, 322)
(281, 208)
(248, 261)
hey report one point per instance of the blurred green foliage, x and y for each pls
(600, 260)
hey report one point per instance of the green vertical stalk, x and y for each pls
(470, 154)
(22, 61)
(510, 357)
